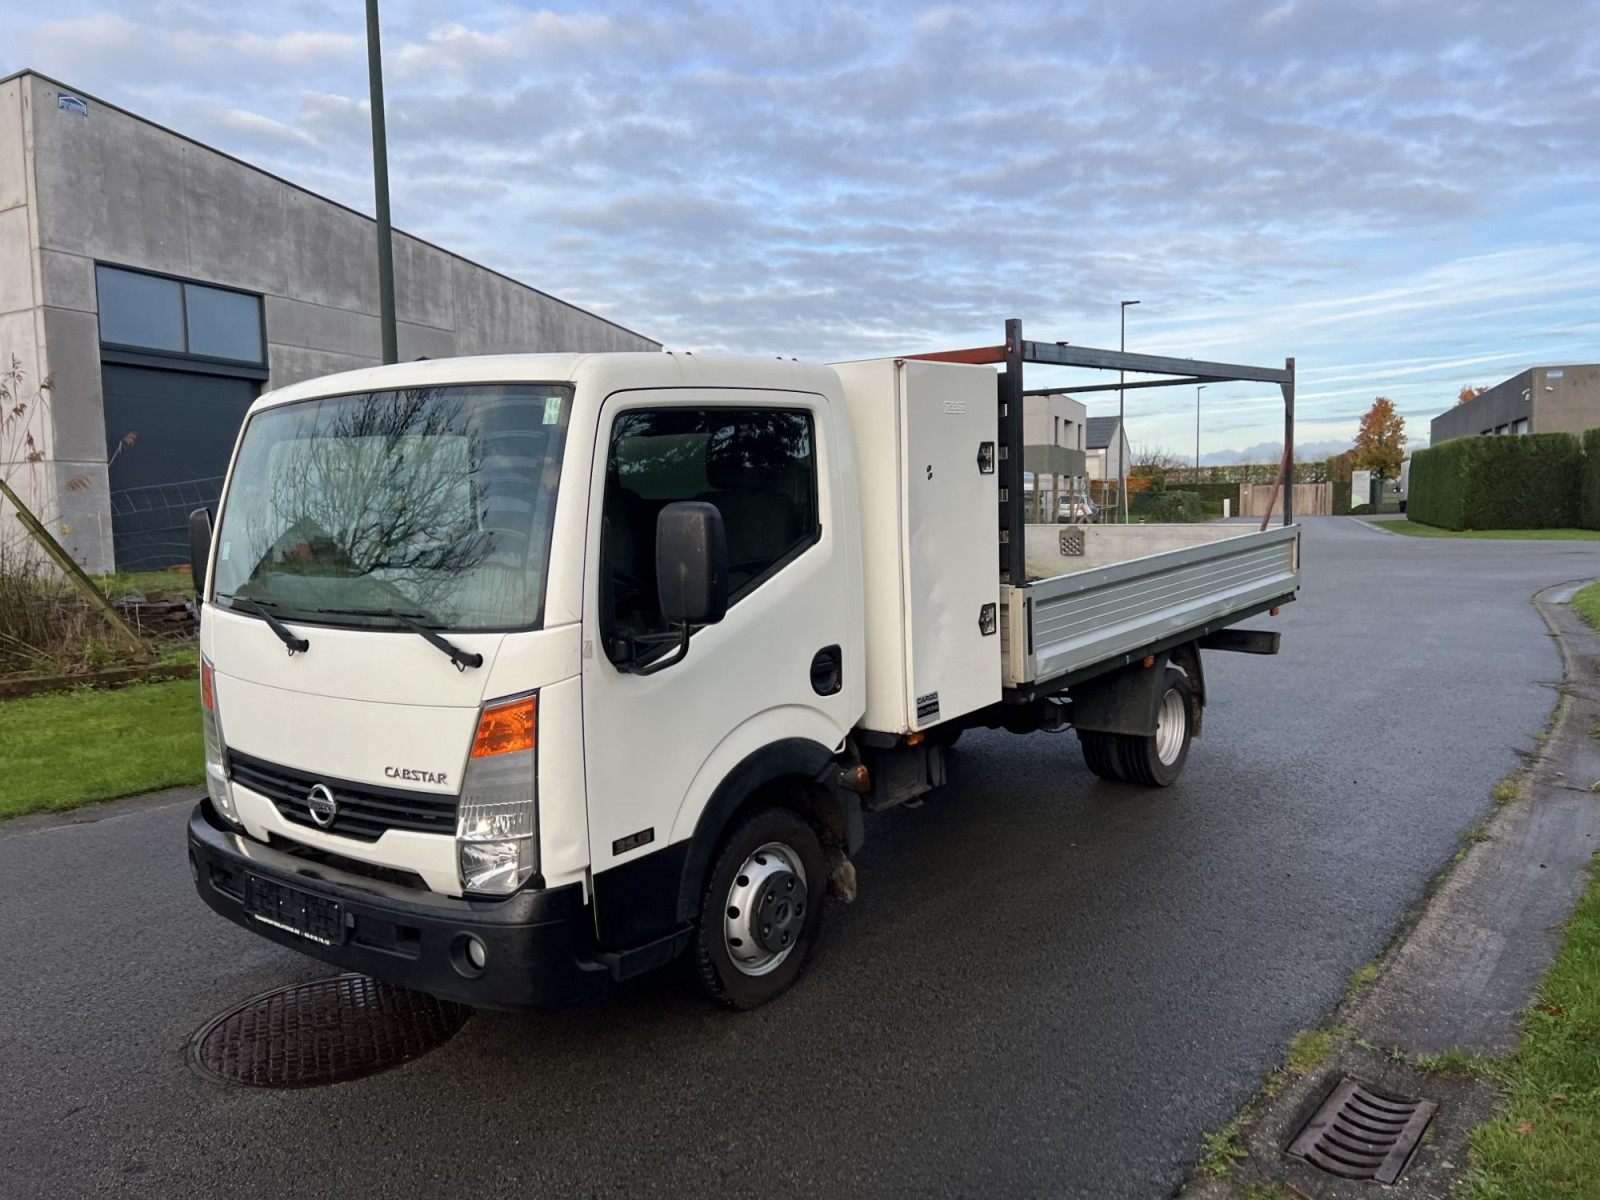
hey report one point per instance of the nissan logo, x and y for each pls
(324, 808)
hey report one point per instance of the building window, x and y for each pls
(140, 310)
(153, 312)
(1520, 426)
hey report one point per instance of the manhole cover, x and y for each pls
(1362, 1134)
(324, 1032)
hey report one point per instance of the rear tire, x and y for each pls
(1102, 754)
(760, 911)
(1157, 761)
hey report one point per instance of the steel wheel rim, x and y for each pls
(772, 870)
(1171, 723)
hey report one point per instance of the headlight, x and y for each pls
(497, 823)
(496, 866)
(217, 785)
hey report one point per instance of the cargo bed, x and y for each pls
(1099, 596)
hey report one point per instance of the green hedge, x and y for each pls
(1589, 481)
(1526, 482)
(1165, 508)
(1216, 493)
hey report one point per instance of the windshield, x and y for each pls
(435, 503)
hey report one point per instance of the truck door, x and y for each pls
(656, 746)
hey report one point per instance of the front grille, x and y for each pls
(365, 812)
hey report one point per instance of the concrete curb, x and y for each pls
(1464, 968)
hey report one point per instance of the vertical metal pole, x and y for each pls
(1122, 421)
(380, 187)
(1198, 389)
(1122, 431)
(1014, 550)
(1288, 444)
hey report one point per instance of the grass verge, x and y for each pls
(174, 585)
(1547, 1142)
(71, 748)
(1417, 529)
(1586, 602)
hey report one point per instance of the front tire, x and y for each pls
(1157, 760)
(761, 908)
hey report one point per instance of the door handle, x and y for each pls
(827, 671)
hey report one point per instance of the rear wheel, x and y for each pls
(1102, 754)
(760, 910)
(1157, 760)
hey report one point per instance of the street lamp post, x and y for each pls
(1122, 418)
(380, 189)
(1198, 389)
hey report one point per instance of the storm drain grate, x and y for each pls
(329, 1031)
(1361, 1134)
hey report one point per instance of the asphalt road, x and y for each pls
(1049, 985)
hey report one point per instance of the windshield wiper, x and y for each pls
(460, 657)
(259, 608)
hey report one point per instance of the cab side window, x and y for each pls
(757, 465)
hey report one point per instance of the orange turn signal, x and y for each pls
(507, 728)
(1274, 612)
(913, 739)
(1149, 661)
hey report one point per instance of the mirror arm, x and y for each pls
(661, 664)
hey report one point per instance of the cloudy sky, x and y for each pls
(1403, 194)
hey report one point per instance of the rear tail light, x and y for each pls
(497, 826)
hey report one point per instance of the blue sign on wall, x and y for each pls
(72, 104)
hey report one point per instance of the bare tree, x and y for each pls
(383, 486)
(1153, 461)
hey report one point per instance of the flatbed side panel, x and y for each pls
(1080, 619)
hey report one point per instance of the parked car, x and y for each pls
(1077, 509)
(1072, 508)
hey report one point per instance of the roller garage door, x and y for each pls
(186, 424)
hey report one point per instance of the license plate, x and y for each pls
(300, 913)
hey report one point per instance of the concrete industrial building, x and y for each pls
(162, 285)
(1539, 400)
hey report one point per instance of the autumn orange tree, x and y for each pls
(1468, 392)
(1380, 440)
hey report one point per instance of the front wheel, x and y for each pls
(760, 910)
(1157, 760)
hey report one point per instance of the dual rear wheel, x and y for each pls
(1155, 760)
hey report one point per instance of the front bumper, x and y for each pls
(537, 940)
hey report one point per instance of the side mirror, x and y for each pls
(199, 548)
(692, 563)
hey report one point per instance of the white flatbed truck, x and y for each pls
(523, 675)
